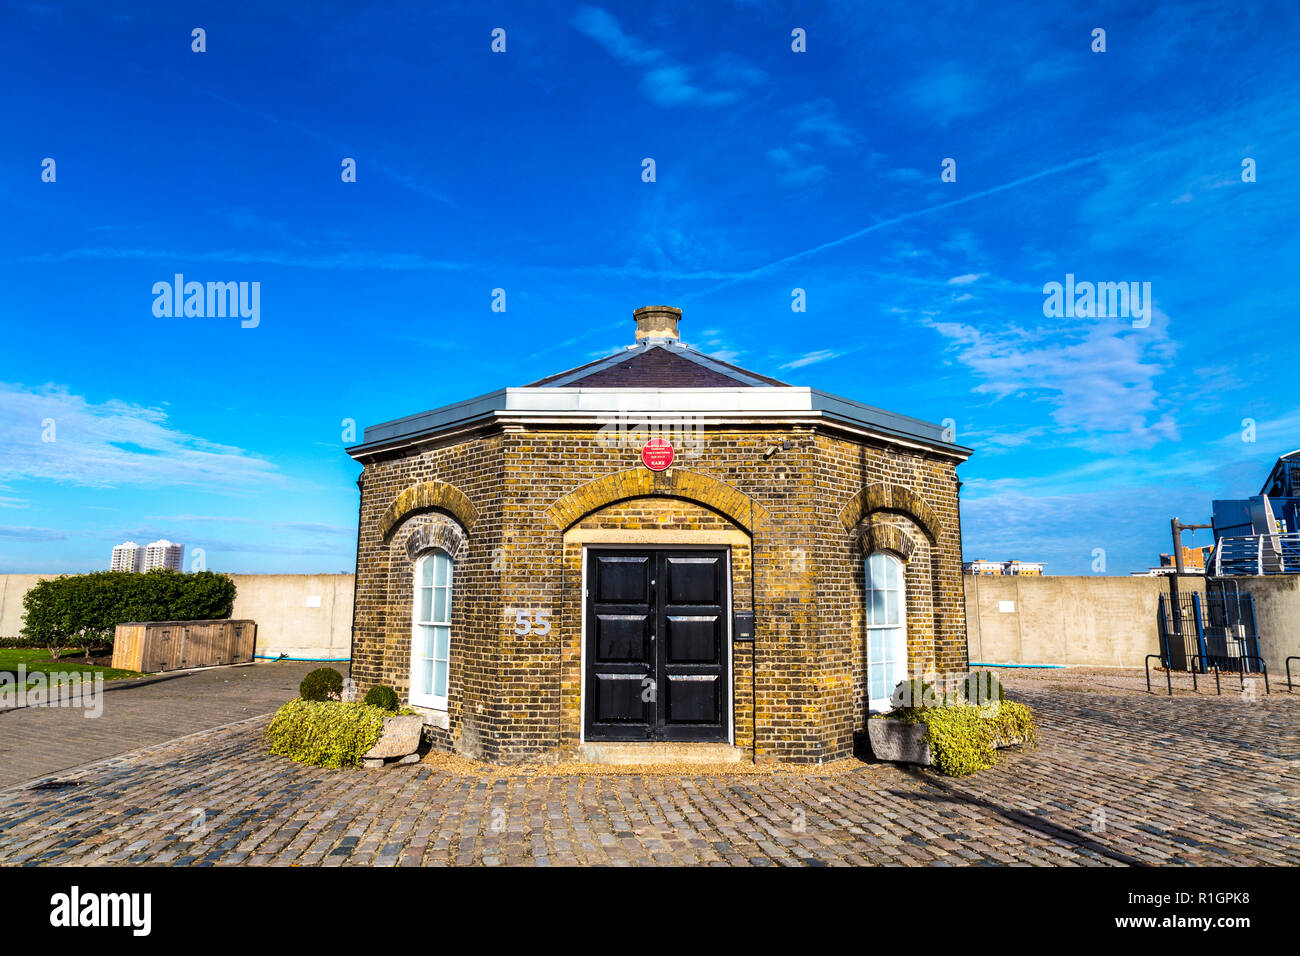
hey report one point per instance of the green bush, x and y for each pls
(324, 683)
(383, 696)
(964, 738)
(982, 687)
(324, 733)
(914, 693)
(81, 609)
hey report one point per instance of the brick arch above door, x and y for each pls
(737, 506)
(427, 496)
(882, 496)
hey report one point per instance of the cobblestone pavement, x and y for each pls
(1116, 781)
(36, 741)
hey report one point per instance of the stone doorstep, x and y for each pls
(624, 754)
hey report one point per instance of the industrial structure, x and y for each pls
(1261, 534)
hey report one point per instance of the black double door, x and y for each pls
(657, 645)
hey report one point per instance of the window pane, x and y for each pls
(426, 571)
(427, 642)
(873, 571)
(439, 604)
(425, 598)
(439, 678)
(875, 607)
(875, 645)
(425, 677)
(442, 563)
(877, 682)
(442, 638)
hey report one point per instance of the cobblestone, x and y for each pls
(1117, 780)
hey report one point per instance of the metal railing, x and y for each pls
(1213, 664)
(1209, 663)
(1257, 554)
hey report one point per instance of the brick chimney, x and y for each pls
(657, 321)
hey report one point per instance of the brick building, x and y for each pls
(538, 579)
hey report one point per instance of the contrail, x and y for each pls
(903, 217)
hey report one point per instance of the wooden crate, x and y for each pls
(154, 646)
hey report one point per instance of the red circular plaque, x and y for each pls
(657, 454)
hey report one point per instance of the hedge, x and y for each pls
(80, 609)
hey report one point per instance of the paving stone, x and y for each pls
(1117, 781)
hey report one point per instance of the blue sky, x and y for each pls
(522, 170)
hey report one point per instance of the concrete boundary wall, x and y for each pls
(299, 615)
(1076, 621)
(1106, 621)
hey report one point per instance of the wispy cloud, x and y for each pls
(724, 81)
(1098, 374)
(31, 534)
(812, 358)
(113, 443)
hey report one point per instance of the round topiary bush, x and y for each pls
(381, 695)
(982, 687)
(324, 683)
(914, 694)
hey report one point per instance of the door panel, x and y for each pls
(693, 638)
(622, 578)
(694, 580)
(692, 700)
(657, 654)
(622, 637)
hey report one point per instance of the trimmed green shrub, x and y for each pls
(324, 733)
(964, 738)
(982, 687)
(383, 696)
(84, 609)
(914, 693)
(324, 683)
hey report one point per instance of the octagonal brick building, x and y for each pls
(540, 584)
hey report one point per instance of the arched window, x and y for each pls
(886, 628)
(431, 631)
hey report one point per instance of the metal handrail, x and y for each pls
(1218, 688)
(1288, 672)
(1168, 673)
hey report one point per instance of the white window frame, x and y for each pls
(431, 701)
(877, 704)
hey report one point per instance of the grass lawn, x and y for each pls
(37, 660)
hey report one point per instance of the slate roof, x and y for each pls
(657, 363)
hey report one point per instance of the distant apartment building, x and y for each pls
(1193, 563)
(127, 556)
(164, 554)
(1012, 568)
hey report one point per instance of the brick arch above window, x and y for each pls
(421, 534)
(878, 536)
(424, 497)
(643, 483)
(883, 496)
